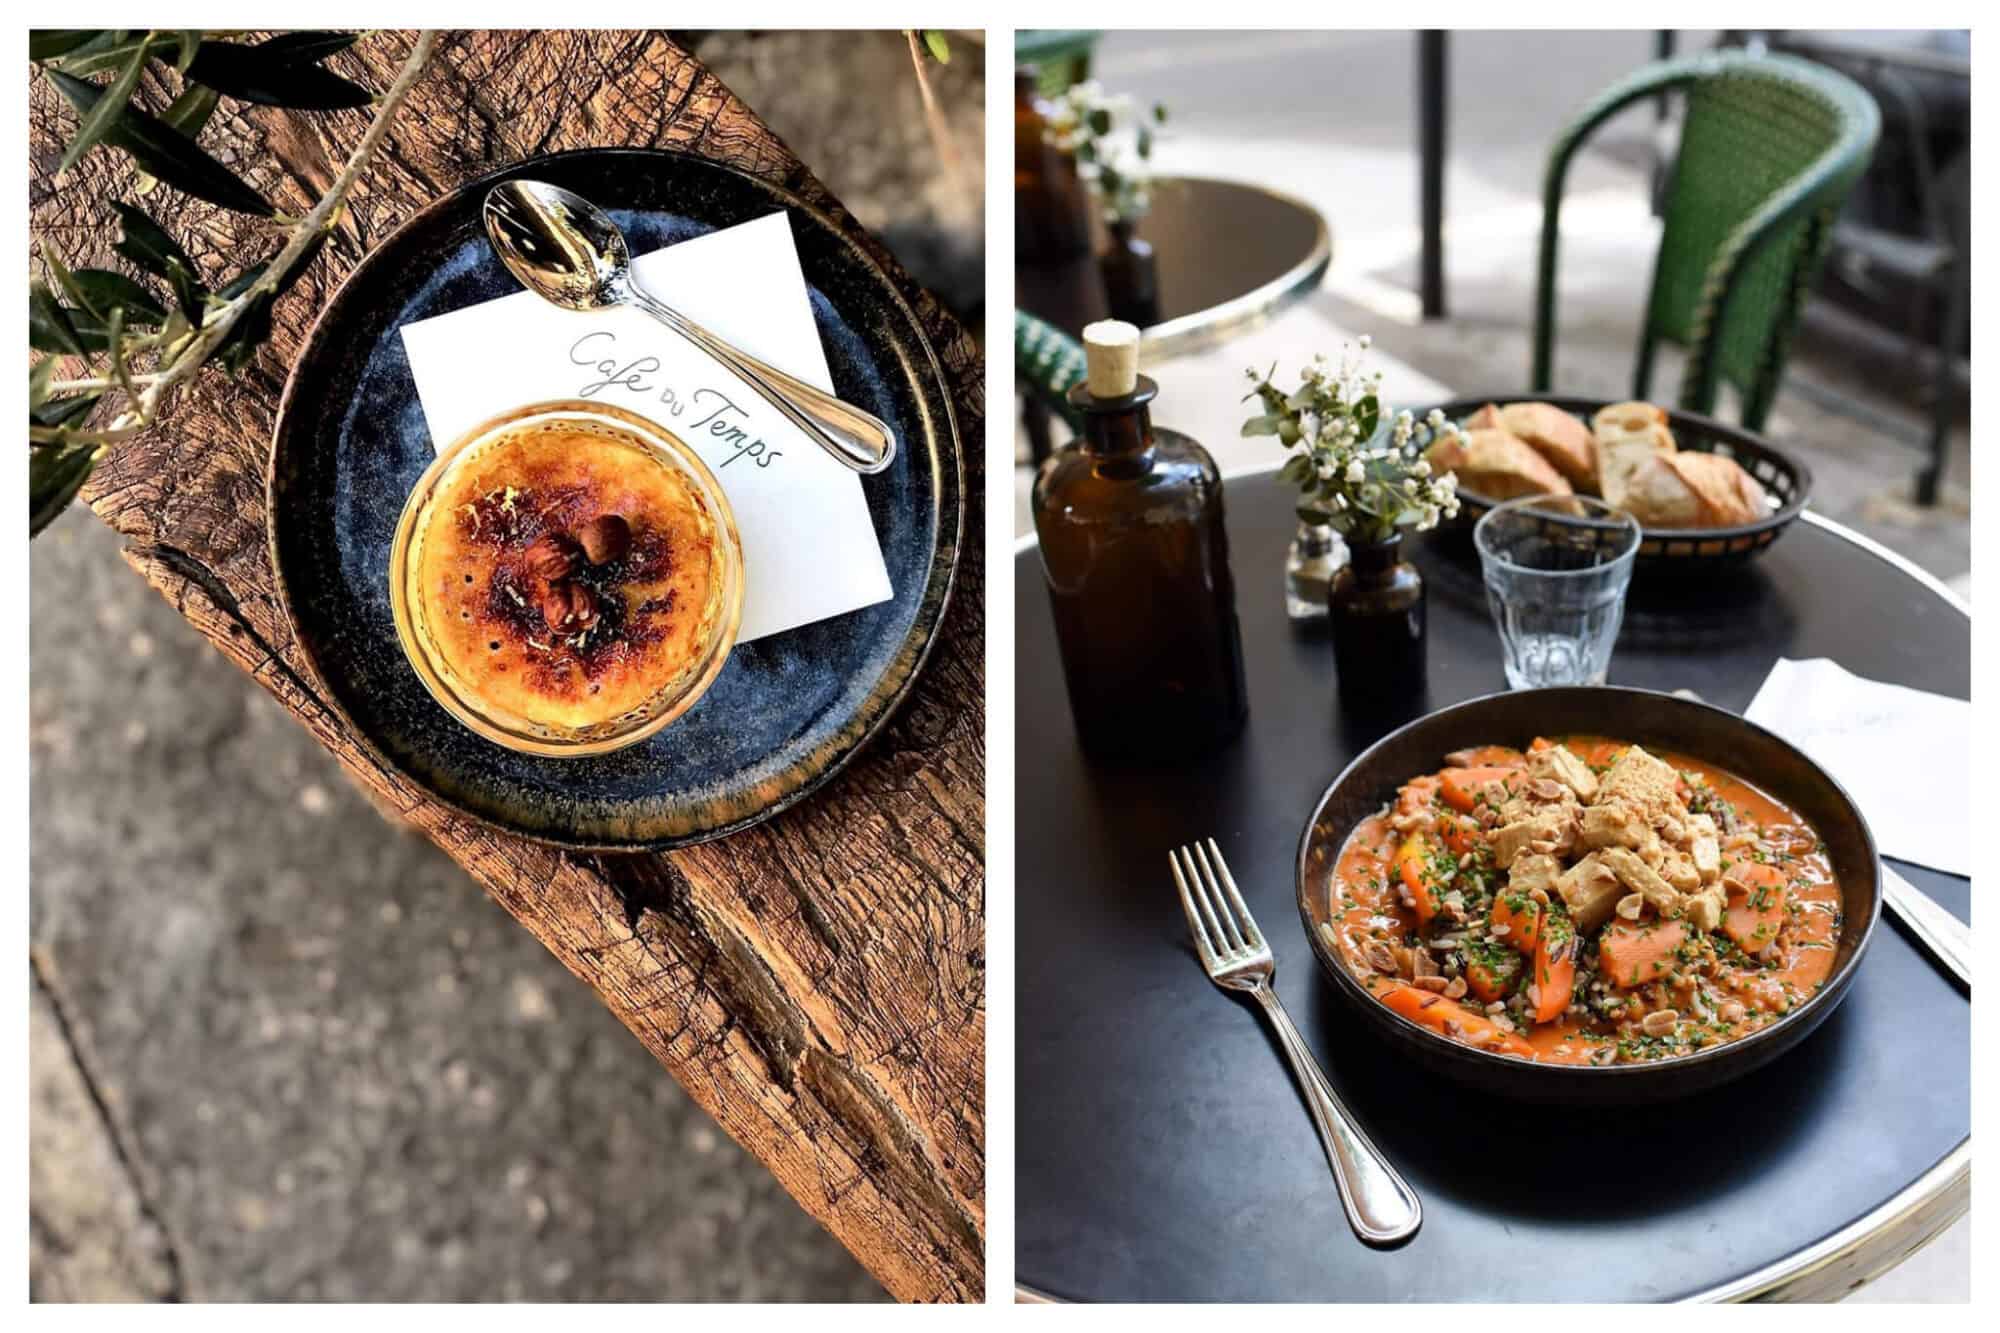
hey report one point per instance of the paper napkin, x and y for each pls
(1905, 756)
(809, 546)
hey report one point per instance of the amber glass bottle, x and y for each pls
(1129, 520)
(1131, 276)
(1051, 210)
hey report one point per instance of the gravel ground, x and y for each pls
(283, 1049)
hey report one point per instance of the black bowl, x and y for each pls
(1679, 551)
(1661, 721)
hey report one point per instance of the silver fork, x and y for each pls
(1382, 1209)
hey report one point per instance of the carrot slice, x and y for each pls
(1413, 864)
(1555, 968)
(1521, 915)
(1756, 907)
(1488, 756)
(1416, 794)
(1632, 955)
(1462, 787)
(1491, 973)
(1459, 834)
(1454, 1020)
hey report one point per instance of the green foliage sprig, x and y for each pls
(125, 342)
(1112, 145)
(1365, 477)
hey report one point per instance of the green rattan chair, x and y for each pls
(1770, 147)
(1047, 362)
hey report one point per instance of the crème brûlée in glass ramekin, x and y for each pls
(567, 578)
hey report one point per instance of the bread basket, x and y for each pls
(1678, 550)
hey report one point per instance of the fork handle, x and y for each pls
(1381, 1207)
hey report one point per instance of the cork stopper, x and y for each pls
(1111, 355)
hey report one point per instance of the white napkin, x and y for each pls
(809, 546)
(1905, 756)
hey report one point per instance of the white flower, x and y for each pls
(1339, 500)
(1421, 467)
(1355, 474)
(1366, 341)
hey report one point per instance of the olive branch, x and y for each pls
(123, 344)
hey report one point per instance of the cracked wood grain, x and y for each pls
(816, 983)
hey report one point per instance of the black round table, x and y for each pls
(1162, 1151)
(1229, 255)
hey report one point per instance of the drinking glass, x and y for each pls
(1556, 570)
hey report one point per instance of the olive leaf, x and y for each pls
(940, 50)
(164, 152)
(102, 290)
(254, 325)
(308, 44)
(279, 72)
(56, 473)
(191, 110)
(52, 327)
(188, 42)
(146, 243)
(48, 43)
(105, 50)
(63, 411)
(39, 376)
(110, 104)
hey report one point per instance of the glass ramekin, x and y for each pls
(721, 616)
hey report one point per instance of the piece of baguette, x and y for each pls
(1658, 496)
(1694, 490)
(1625, 437)
(1496, 465)
(1728, 495)
(1556, 436)
(1629, 418)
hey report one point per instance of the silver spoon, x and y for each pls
(567, 251)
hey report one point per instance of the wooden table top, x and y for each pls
(816, 983)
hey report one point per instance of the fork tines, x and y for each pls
(1223, 929)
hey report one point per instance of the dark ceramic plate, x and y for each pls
(788, 710)
(1660, 721)
(1695, 551)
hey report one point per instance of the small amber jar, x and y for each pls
(1375, 608)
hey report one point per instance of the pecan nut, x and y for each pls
(569, 608)
(605, 538)
(553, 557)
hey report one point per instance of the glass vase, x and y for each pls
(1314, 557)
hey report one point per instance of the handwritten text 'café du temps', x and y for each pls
(714, 414)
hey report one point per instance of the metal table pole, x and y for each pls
(1431, 111)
